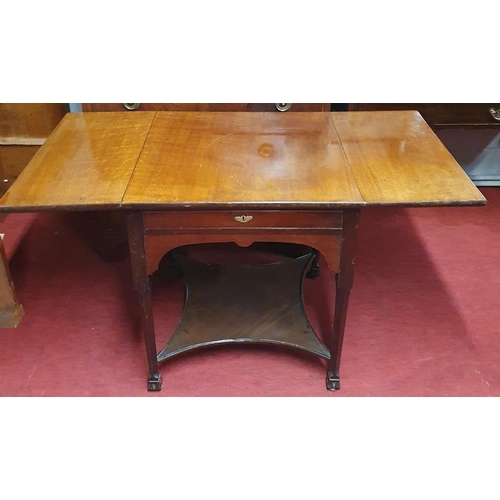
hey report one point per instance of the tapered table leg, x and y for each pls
(341, 304)
(343, 282)
(314, 269)
(142, 285)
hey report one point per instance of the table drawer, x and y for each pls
(243, 219)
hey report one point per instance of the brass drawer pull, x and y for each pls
(243, 218)
(283, 107)
(131, 107)
(495, 113)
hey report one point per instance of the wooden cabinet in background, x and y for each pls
(23, 129)
(467, 116)
(206, 107)
(445, 116)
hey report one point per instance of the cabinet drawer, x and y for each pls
(467, 114)
(267, 107)
(243, 220)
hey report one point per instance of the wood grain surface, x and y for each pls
(398, 160)
(242, 159)
(170, 160)
(86, 163)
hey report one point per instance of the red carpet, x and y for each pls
(423, 317)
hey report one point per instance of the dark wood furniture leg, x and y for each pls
(343, 283)
(142, 285)
(314, 269)
(112, 231)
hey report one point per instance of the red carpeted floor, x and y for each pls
(423, 319)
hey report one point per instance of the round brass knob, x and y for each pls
(495, 113)
(283, 107)
(131, 107)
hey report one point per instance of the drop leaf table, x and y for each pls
(188, 178)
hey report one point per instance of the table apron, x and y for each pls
(328, 243)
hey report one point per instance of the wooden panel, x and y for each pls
(205, 107)
(158, 245)
(461, 115)
(30, 120)
(13, 159)
(273, 219)
(23, 129)
(397, 159)
(224, 159)
(428, 111)
(440, 116)
(86, 163)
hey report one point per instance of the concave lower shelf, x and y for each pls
(227, 304)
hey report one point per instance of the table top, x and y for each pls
(172, 160)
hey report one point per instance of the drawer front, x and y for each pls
(468, 114)
(243, 220)
(267, 107)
